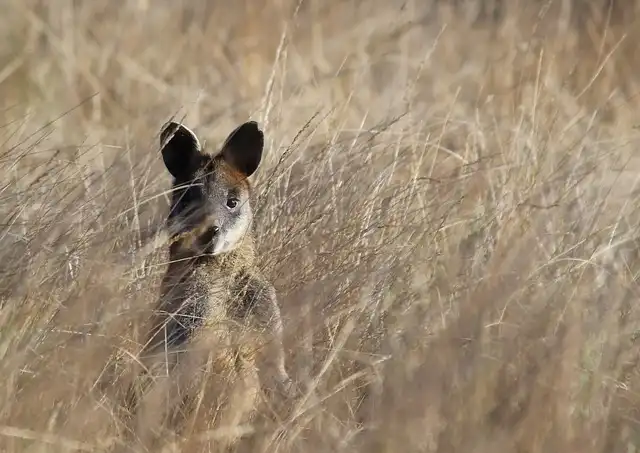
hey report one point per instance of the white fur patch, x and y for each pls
(230, 240)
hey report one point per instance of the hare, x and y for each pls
(217, 317)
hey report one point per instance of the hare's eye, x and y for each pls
(232, 202)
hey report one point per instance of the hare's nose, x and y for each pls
(209, 234)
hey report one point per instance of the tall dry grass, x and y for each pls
(448, 212)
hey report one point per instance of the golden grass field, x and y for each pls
(447, 210)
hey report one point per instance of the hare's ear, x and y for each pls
(243, 148)
(180, 149)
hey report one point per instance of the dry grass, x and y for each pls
(448, 213)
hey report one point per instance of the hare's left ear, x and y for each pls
(180, 149)
(243, 148)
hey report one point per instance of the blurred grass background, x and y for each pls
(447, 209)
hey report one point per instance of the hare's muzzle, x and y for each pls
(208, 238)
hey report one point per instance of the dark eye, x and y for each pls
(232, 203)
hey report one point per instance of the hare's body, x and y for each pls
(217, 316)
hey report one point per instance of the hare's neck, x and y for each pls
(226, 264)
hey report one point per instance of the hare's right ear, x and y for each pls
(243, 148)
(180, 149)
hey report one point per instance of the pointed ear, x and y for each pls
(180, 149)
(243, 148)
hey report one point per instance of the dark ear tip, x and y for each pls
(179, 136)
(251, 127)
(169, 128)
(247, 135)
(168, 124)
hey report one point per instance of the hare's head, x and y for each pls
(211, 193)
